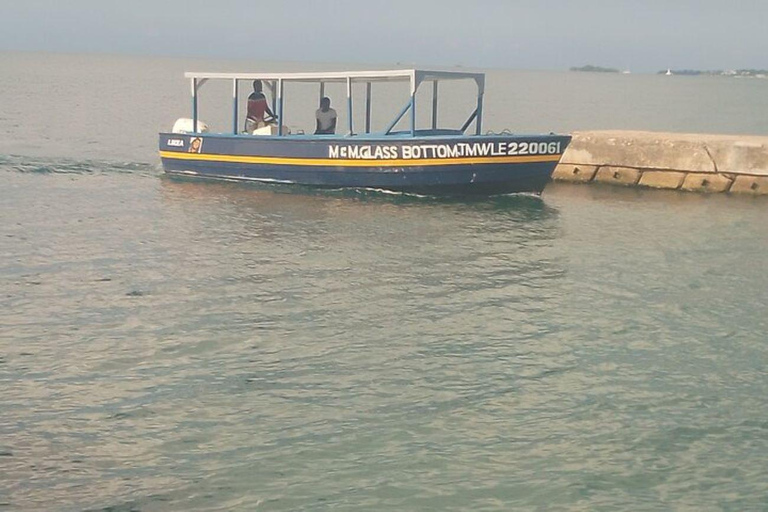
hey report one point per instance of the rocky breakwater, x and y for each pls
(691, 162)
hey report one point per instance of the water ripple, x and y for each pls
(33, 165)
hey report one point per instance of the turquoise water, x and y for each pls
(175, 345)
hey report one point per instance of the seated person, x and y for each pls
(326, 118)
(257, 108)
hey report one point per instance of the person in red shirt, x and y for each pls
(257, 108)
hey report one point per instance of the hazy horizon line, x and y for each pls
(372, 63)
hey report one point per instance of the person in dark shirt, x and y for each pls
(257, 108)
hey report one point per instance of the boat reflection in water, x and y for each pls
(267, 207)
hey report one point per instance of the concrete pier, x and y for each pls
(690, 162)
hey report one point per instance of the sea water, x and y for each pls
(180, 345)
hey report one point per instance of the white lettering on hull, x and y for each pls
(442, 151)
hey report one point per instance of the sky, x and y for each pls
(638, 35)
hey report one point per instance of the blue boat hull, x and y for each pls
(453, 165)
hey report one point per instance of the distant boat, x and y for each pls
(669, 72)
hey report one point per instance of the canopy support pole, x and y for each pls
(368, 107)
(234, 106)
(434, 105)
(349, 103)
(194, 105)
(468, 122)
(279, 106)
(399, 117)
(273, 85)
(479, 114)
(413, 115)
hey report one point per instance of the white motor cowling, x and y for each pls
(186, 125)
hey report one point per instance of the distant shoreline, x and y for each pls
(754, 73)
(751, 73)
(594, 69)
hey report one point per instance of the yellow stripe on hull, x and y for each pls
(341, 162)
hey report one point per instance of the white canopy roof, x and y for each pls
(414, 76)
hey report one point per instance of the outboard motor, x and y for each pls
(185, 125)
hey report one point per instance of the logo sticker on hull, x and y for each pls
(195, 144)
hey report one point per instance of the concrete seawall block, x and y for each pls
(577, 173)
(742, 155)
(706, 182)
(683, 161)
(640, 150)
(662, 179)
(755, 185)
(617, 175)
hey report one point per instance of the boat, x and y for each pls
(423, 158)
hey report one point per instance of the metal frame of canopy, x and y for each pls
(276, 81)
